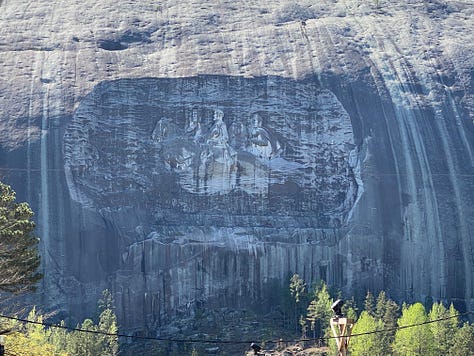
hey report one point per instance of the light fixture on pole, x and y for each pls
(341, 327)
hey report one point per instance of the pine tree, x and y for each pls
(443, 330)
(319, 310)
(349, 309)
(106, 302)
(381, 305)
(386, 311)
(297, 287)
(59, 337)
(369, 304)
(298, 292)
(416, 340)
(84, 343)
(19, 257)
(463, 341)
(96, 344)
(108, 324)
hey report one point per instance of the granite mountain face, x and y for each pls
(197, 155)
(225, 173)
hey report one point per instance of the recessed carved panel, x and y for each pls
(260, 146)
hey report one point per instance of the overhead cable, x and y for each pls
(221, 341)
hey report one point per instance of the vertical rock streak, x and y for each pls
(423, 210)
(44, 198)
(425, 215)
(358, 171)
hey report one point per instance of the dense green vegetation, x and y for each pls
(384, 324)
(19, 257)
(39, 340)
(381, 321)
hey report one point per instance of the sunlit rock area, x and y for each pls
(193, 155)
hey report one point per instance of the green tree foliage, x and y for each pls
(319, 310)
(30, 339)
(369, 304)
(19, 257)
(463, 341)
(370, 344)
(381, 305)
(387, 311)
(332, 344)
(349, 309)
(36, 340)
(297, 287)
(298, 292)
(108, 324)
(416, 340)
(443, 330)
(83, 343)
(438, 334)
(96, 344)
(59, 338)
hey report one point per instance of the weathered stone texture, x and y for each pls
(358, 167)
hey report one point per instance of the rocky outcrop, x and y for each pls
(189, 154)
(230, 177)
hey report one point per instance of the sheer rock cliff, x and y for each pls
(197, 153)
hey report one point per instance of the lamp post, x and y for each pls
(341, 327)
